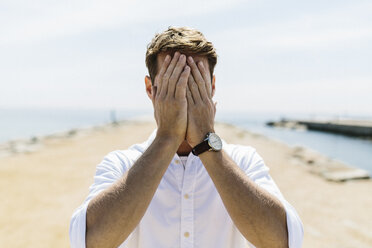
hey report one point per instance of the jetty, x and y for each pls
(330, 169)
(345, 127)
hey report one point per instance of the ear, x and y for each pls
(149, 88)
(213, 85)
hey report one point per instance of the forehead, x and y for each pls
(161, 56)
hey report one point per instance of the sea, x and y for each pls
(27, 123)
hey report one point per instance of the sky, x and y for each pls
(309, 57)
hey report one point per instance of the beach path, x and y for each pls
(40, 190)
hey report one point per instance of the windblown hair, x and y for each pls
(183, 39)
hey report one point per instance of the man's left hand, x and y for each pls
(200, 108)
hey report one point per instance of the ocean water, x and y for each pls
(27, 123)
(352, 151)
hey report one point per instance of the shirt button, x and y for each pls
(186, 196)
(177, 162)
(186, 234)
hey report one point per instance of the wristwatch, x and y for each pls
(212, 142)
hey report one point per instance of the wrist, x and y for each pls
(172, 139)
(201, 137)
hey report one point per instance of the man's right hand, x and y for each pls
(169, 97)
(114, 213)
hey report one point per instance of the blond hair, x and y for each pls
(183, 39)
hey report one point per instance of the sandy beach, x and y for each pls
(44, 180)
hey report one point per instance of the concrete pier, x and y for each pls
(345, 127)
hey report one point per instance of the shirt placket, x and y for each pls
(187, 205)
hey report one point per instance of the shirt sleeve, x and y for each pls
(108, 171)
(257, 170)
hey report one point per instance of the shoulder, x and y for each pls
(247, 158)
(121, 160)
(239, 153)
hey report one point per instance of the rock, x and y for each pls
(345, 175)
(71, 133)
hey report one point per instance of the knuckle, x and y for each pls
(174, 62)
(172, 78)
(182, 81)
(165, 76)
(183, 74)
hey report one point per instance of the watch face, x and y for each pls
(215, 142)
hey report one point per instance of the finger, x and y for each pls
(194, 90)
(168, 73)
(190, 100)
(207, 78)
(197, 76)
(174, 78)
(182, 84)
(154, 91)
(160, 75)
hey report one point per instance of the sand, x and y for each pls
(41, 186)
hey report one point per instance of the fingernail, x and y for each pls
(190, 59)
(201, 64)
(176, 53)
(167, 57)
(182, 56)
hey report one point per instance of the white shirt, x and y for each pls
(186, 210)
(183, 160)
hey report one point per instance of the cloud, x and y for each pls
(24, 22)
(305, 60)
(333, 29)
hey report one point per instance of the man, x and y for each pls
(222, 195)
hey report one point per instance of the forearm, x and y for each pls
(115, 212)
(258, 215)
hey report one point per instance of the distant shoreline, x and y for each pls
(328, 168)
(34, 143)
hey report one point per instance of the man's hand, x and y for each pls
(113, 214)
(200, 108)
(170, 104)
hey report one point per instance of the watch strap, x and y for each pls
(200, 148)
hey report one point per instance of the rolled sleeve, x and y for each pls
(294, 226)
(78, 226)
(108, 171)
